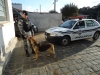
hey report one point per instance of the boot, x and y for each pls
(27, 54)
(33, 51)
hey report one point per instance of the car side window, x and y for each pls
(89, 23)
(79, 25)
(95, 23)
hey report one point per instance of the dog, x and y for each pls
(41, 47)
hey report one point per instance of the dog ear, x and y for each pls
(30, 38)
(34, 40)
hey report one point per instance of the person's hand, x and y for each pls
(32, 35)
(28, 37)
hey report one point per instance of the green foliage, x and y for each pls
(69, 10)
(52, 11)
(93, 12)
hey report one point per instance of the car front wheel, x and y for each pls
(36, 30)
(96, 36)
(65, 41)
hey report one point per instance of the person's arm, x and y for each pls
(20, 26)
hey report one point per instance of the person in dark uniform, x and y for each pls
(26, 31)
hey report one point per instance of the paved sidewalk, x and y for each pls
(79, 58)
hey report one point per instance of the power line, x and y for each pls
(45, 4)
(49, 6)
(45, 1)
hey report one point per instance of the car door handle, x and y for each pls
(80, 32)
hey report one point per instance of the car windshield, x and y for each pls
(68, 24)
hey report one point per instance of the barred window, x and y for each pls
(2, 11)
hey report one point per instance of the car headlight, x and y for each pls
(53, 34)
(34, 26)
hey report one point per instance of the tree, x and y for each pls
(69, 10)
(52, 11)
(92, 12)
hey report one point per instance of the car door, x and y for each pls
(78, 30)
(91, 27)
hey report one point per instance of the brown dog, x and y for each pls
(41, 47)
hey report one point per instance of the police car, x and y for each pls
(73, 29)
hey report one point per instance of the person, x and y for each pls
(26, 31)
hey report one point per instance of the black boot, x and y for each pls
(27, 54)
(33, 51)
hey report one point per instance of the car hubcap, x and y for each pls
(96, 36)
(64, 41)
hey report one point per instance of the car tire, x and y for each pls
(33, 32)
(65, 41)
(36, 30)
(96, 36)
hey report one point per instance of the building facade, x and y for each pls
(7, 32)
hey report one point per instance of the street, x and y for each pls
(78, 58)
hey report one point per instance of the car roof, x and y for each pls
(82, 19)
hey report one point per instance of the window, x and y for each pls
(91, 23)
(80, 25)
(2, 11)
(95, 23)
(68, 24)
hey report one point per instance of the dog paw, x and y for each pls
(54, 56)
(34, 57)
(48, 55)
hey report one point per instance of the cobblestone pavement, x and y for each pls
(78, 58)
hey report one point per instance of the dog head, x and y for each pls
(33, 40)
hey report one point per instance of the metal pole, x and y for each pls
(54, 5)
(36, 10)
(40, 8)
(98, 15)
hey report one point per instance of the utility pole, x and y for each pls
(98, 15)
(40, 8)
(55, 4)
(36, 10)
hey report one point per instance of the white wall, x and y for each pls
(45, 21)
(7, 31)
(7, 36)
(9, 13)
(1, 38)
(17, 6)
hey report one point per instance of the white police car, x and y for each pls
(74, 29)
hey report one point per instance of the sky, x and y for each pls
(47, 5)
